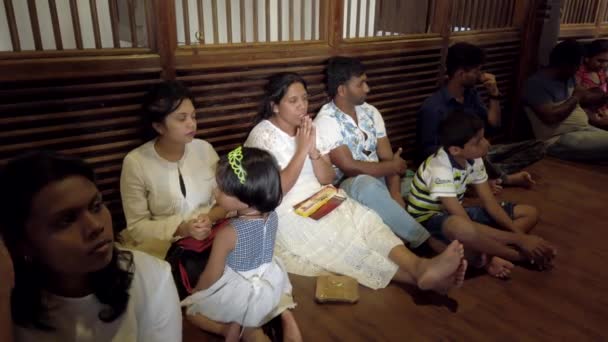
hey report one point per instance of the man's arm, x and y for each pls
(393, 182)
(343, 159)
(494, 113)
(551, 113)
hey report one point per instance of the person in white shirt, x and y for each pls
(70, 282)
(166, 184)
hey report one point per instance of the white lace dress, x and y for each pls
(352, 240)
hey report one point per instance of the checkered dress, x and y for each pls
(254, 244)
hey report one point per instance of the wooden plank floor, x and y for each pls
(568, 303)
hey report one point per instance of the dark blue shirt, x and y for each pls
(437, 107)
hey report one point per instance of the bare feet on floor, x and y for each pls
(291, 331)
(498, 267)
(537, 251)
(522, 178)
(444, 271)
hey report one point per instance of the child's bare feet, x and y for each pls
(523, 179)
(537, 251)
(444, 271)
(291, 331)
(232, 333)
(254, 335)
(499, 267)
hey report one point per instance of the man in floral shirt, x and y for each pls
(353, 133)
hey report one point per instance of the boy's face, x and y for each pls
(476, 147)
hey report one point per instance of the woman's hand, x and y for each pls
(7, 271)
(196, 228)
(306, 135)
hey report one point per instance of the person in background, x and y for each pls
(592, 76)
(464, 71)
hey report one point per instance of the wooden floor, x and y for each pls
(569, 303)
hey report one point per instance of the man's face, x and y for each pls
(356, 89)
(469, 78)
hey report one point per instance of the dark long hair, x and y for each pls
(274, 91)
(162, 100)
(21, 180)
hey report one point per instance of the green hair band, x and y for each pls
(235, 159)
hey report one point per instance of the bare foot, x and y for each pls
(291, 331)
(499, 268)
(538, 251)
(495, 185)
(523, 179)
(443, 271)
(232, 333)
(254, 335)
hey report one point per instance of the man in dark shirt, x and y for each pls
(464, 70)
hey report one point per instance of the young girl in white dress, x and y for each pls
(243, 283)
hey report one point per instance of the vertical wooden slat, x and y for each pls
(186, 21)
(31, 6)
(511, 13)
(133, 24)
(267, 17)
(464, 12)
(580, 11)
(486, 13)
(577, 11)
(601, 10)
(280, 19)
(166, 39)
(229, 20)
(357, 23)
(56, 27)
(114, 22)
(493, 17)
(302, 20)
(76, 23)
(458, 13)
(243, 21)
(95, 20)
(12, 25)
(215, 25)
(348, 18)
(291, 23)
(150, 24)
(201, 22)
(501, 20)
(567, 12)
(369, 8)
(256, 15)
(313, 30)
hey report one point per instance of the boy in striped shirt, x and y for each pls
(435, 200)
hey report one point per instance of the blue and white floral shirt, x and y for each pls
(336, 128)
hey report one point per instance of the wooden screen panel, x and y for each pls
(399, 83)
(94, 117)
(228, 98)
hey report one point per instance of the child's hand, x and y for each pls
(495, 185)
(7, 271)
